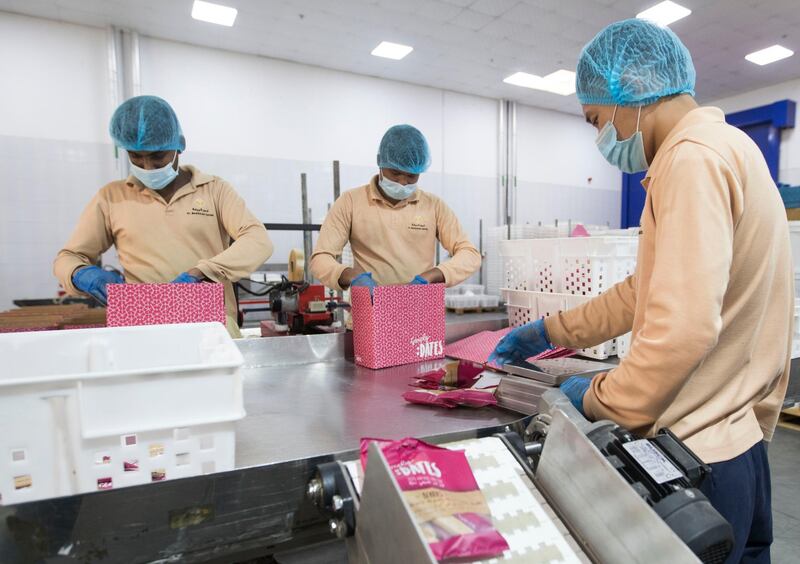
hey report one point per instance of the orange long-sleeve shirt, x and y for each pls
(711, 303)
(156, 240)
(394, 242)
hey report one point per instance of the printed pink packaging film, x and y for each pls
(439, 487)
(478, 348)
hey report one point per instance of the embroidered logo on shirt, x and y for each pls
(199, 208)
(418, 224)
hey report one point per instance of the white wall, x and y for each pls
(560, 172)
(54, 149)
(789, 165)
(259, 123)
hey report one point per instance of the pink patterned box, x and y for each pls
(163, 304)
(399, 325)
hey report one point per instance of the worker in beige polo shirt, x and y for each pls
(393, 226)
(711, 303)
(169, 223)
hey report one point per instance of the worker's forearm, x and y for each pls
(464, 263)
(605, 317)
(65, 265)
(239, 260)
(327, 270)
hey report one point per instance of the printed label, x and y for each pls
(652, 460)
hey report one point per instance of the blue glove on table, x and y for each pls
(93, 280)
(418, 280)
(522, 343)
(575, 388)
(186, 278)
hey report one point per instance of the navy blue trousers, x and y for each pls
(740, 490)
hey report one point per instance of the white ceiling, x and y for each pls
(462, 45)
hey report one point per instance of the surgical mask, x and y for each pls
(395, 190)
(628, 154)
(156, 179)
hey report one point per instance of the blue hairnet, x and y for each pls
(146, 123)
(404, 147)
(633, 63)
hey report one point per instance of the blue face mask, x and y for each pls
(156, 179)
(628, 154)
(395, 190)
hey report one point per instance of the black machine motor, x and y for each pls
(666, 474)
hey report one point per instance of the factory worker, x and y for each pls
(711, 302)
(169, 223)
(393, 226)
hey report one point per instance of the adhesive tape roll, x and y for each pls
(297, 265)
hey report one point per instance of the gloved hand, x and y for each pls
(575, 388)
(418, 280)
(93, 280)
(522, 343)
(364, 279)
(186, 278)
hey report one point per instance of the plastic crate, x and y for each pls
(524, 306)
(96, 409)
(585, 266)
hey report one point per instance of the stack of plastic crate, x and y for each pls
(543, 277)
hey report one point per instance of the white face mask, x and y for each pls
(395, 190)
(156, 179)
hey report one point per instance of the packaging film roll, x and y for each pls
(297, 264)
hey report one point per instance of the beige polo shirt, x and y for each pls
(393, 241)
(206, 225)
(711, 303)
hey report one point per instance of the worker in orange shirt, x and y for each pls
(393, 226)
(169, 223)
(711, 302)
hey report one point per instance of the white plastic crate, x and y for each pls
(96, 409)
(489, 301)
(585, 266)
(524, 307)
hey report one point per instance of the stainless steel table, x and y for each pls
(306, 404)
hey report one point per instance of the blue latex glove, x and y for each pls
(186, 278)
(418, 280)
(364, 279)
(93, 280)
(522, 343)
(575, 388)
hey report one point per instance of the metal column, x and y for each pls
(306, 220)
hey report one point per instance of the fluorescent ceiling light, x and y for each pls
(664, 13)
(769, 55)
(560, 82)
(389, 50)
(214, 13)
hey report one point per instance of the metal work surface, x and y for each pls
(306, 405)
(328, 405)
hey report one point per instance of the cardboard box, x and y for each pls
(398, 324)
(164, 304)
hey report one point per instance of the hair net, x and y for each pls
(404, 147)
(633, 63)
(146, 123)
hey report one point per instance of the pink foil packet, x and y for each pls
(467, 397)
(449, 507)
(458, 374)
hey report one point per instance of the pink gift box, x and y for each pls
(163, 304)
(398, 325)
